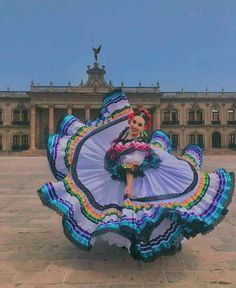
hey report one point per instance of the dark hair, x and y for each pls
(141, 114)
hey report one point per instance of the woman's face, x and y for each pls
(136, 126)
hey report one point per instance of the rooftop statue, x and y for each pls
(96, 52)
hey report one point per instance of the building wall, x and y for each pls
(51, 106)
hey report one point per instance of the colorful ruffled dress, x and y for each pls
(172, 198)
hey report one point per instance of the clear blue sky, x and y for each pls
(181, 43)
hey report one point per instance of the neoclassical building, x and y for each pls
(205, 118)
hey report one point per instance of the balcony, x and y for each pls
(19, 147)
(195, 122)
(231, 122)
(22, 123)
(170, 122)
(215, 122)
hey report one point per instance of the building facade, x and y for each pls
(204, 118)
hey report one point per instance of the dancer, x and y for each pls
(115, 182)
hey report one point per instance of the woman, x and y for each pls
(131, 191)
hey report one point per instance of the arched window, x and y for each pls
(16, 116)
(25, 141)
(0, 142)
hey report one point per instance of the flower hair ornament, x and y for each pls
(145, 114)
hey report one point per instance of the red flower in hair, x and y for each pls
(130, 117)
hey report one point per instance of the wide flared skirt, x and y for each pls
(169, 203)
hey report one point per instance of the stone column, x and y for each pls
(206, 140)
(156, 121)
(51, 119)
(37, 129)
(207, 114)
(7, 143)
(224, 138)
(7, 117)
(182, 139)
(87, 112)
(182, 120)
(223, 114)
(209, 144)
(32, 126)
(69, 109)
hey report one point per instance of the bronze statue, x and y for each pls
(96, 52)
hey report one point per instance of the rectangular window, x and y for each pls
(24, 140)
(191, 139)
(166, 115)
(200, 140)
(191, 115)
(175, 141)
(232, 139)
(215, 115)
(16, 115)
(25, 115)
(16, 140)
(199, 115)
(230, 115)
(174, 116)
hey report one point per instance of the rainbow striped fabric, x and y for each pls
(174, 201)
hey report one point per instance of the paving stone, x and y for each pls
(17, 266)
(209, 285)
(225, 277)
(91, 277)
(232, 263)
(34, 253)
(43, 277)
(205, 265)
(175, 277)
(6, 277)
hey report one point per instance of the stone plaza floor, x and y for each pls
(34, 253)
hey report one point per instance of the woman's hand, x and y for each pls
(128, 191)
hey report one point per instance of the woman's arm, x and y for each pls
(129, 186)
(130, 170)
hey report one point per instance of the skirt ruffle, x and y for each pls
(175, 201)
